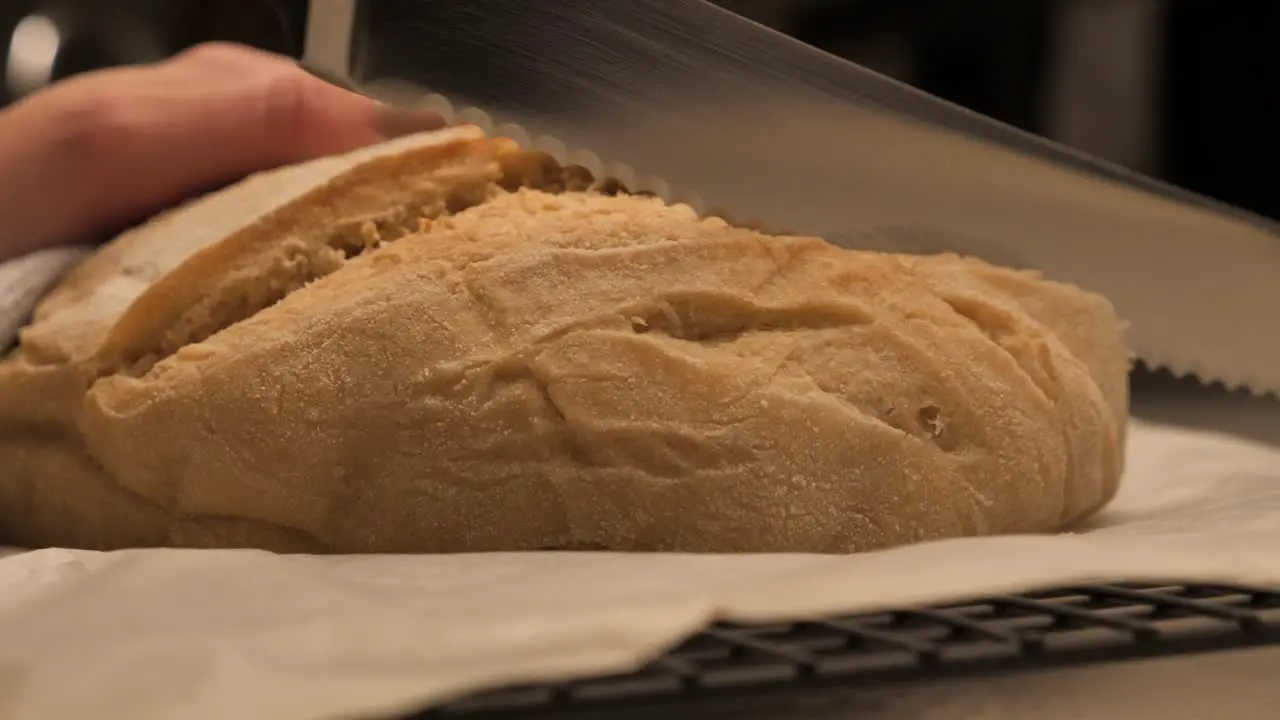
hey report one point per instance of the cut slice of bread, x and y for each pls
(447, 343)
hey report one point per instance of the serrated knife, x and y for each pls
(711, 108)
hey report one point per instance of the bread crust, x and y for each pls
(541, 370)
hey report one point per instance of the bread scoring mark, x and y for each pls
(299, 261)
(709, 318)
(926, 423)
(580, 436)
(296, 263)
(1035, 363)
(525, 372)
(714, 319)
(999, 326)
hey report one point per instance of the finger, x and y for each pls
(111, 147)
(257, 110)
(299, 115)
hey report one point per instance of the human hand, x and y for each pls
(98, 151)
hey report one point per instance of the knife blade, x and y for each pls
(711, 108)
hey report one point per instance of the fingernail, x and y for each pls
(392, 122)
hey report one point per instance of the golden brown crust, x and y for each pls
(572, 371)
(386, 195)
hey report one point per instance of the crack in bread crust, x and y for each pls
(237, 287)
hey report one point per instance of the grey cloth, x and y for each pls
(25, 280)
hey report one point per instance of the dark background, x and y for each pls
(1181, 89)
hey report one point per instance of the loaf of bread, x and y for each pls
(446, 343)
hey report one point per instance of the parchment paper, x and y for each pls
(246, 635)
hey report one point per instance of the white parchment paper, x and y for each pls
(246, 635)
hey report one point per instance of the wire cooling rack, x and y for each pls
(1001, 633)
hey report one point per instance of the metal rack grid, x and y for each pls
(1001, 633)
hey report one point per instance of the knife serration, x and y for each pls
(744, 121)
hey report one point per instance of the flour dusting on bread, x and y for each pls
(453, 344)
